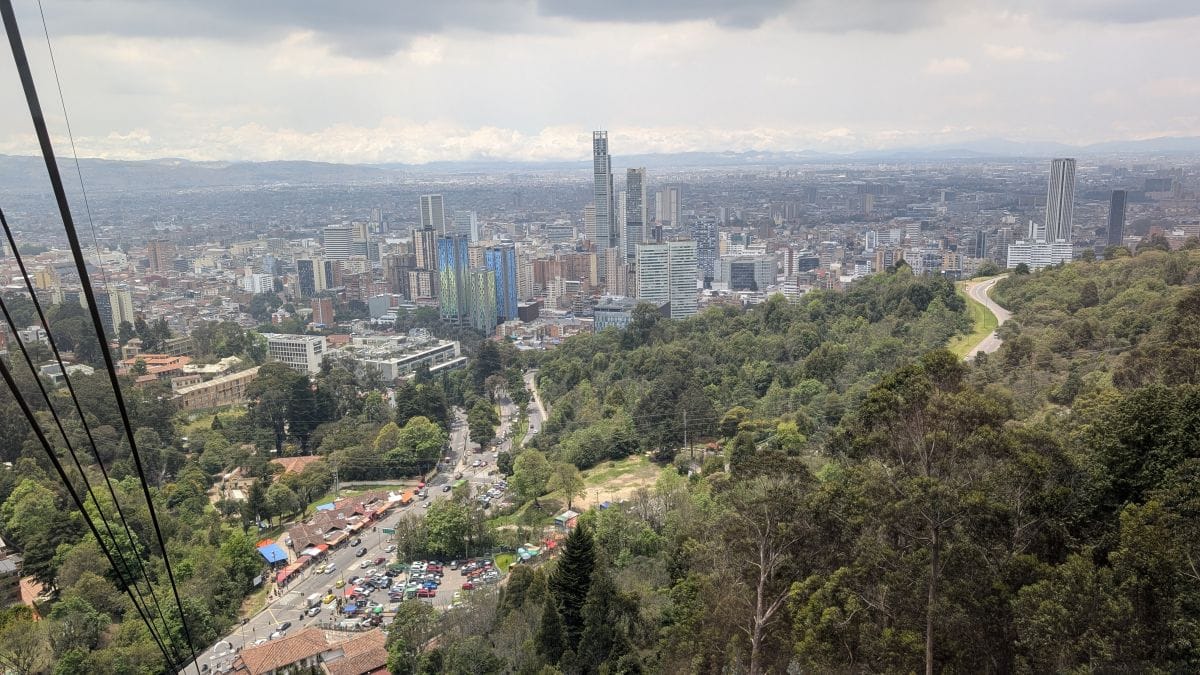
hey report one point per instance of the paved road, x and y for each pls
(979, 292)
(537, 413)
(291, 605)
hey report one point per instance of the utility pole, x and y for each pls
(335, 480)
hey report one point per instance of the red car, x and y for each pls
(421, 485)
(467, 586)
(426, 593)
(380, 561)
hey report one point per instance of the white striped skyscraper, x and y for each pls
(1060, 200)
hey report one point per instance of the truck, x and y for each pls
(313, 600)
(406, 498)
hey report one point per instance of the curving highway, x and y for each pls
(979, 293)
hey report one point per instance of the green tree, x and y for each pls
(549, 638)
(531, 475)
(447, 526)
(281, 501)
(481, 422)
(566, 478)
(606, 622)
(572, 579)
(75, 625)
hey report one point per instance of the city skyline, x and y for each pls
(200, 81)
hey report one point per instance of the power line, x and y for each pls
(77, 406)
(41, 436)
(39, 122)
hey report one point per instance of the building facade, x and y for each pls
(1116, 217)
(502, 260)
(1060, 200)
(603, 226)
(453, 263)
(301, 353)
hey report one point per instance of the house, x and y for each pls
(566, 520)
(315, 650)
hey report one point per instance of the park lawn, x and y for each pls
(981, 318)
(504, 561)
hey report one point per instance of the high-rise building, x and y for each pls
(502, 261)
(1060, 200)
(466, 223)
(433, 214)
(160, 253)
(684, 267)
(338, 242)
(979, 250)
(749, 273)
(481, 300)
(668, 206)
(666, 273)
(311, 276)
(1116, 218)
(706, 234)
(120, 302)
(635, 212)
(322, 311)
(525, 277)
(422, 284)
(425, 248)
(615, 281)
(452, 268)
(603, 232)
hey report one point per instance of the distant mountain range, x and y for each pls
(27, 174)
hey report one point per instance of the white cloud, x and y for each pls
(952, 65)
(1019, 53)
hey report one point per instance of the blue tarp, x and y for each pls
(350, 609)
(273, 553)
(325, 507)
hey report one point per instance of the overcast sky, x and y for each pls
(408, 81)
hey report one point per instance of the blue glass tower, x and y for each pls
(452, 275)
(503, 261)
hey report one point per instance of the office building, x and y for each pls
(425, 248)
(979, 250)
(422, 284)
(120, 302)
(322, 311)
(338, 242)
(748, 273)
(466, 223)
(666, 273)
(481, 300)
(310, 276)
(603, 231)
(1116, 218)
(502, 260)
(433, 214)
(634, 227)
(1039, 254)
(215, 393)
(524, 278)
(613, 312)
(615, 281)
(453, 263)
(161, 254)
(258, 283)
(668, 206)
(706, 234)
(301, 353)
(1060, 200)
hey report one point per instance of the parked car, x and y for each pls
(467, 586)
(389, 548)
(427, 593)
(285, 625)
(355, 542)
(360, 552)
(445, 488)
(380, 560)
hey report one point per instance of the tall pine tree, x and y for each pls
(549, 637)
(604, 639)
(571, 581)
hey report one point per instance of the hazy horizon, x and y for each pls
(527, 81)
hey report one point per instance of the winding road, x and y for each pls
(979, 293)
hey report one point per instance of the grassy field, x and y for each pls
(984, 321)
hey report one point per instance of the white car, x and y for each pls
(330, 568)
(389, 548)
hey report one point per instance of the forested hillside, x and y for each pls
(1032, 513)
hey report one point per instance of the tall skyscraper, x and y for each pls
(706, 234)
(604, 231)
(452, 277)
(425, 248)
(120, 302)
(338, 242)
(635, 211)
(1116, 218)
(481, 300)
(1060, 200)
(433, 214)
(668, 206)
(466, 223)
(502, 260)
(667, 273)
